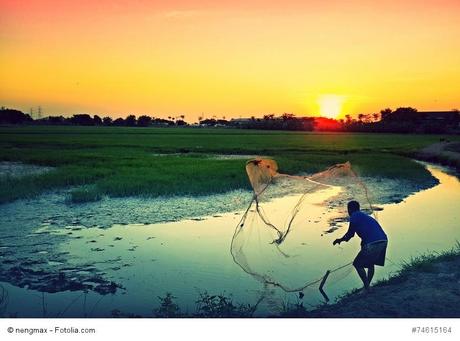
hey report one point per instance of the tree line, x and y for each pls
(401, 120)
(13, 116)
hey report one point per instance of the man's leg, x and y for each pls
(370, 274)
(363, 276)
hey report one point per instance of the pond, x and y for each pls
(191, 256)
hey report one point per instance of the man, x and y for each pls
(373, 242)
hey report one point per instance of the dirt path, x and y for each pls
(429, 291)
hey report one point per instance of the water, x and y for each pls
(192, 256)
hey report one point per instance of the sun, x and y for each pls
(330, 106)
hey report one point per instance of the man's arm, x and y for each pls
(347, 236)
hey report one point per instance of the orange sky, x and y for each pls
(233, 58)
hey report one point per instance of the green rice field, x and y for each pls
(123, 161)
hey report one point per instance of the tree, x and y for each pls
(82, 120)
(287, 116)
(181, 123)
(107, 121)
(402, 114)
(385, 113)
(130, 121)
(144, 121)
(364, 118)
(119, 122)
(54, 120)
(97, 120)
(13, 116)
(208, 122)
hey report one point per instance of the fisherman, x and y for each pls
(373, 242)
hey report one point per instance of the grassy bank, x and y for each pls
(426, 286)
(122, 161)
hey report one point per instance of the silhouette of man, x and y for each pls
(373, 242)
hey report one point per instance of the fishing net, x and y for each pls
(284, 238)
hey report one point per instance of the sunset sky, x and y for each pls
(229, 58)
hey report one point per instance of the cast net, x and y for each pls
(284, 238)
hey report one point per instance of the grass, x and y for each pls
(207, 306)
(122, 161)
(422, 263)
(85, 194)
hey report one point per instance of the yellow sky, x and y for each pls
(228, 58)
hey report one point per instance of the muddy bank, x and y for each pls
(54, 208)
(445, 153)
(431, 290)
(31, 261)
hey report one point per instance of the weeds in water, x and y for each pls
(221, 306)
(168, 307)
(293, 309)
(84, 194)
(206, 306)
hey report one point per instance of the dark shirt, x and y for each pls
(366, 227)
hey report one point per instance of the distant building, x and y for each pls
(441, 117)
(449, 120)
(239, 121)
(439, 122)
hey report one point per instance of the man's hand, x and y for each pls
(337, 241)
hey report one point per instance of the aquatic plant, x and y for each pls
(221, 306)
(84, 194)
(168, 307)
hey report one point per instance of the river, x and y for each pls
(192, 256)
